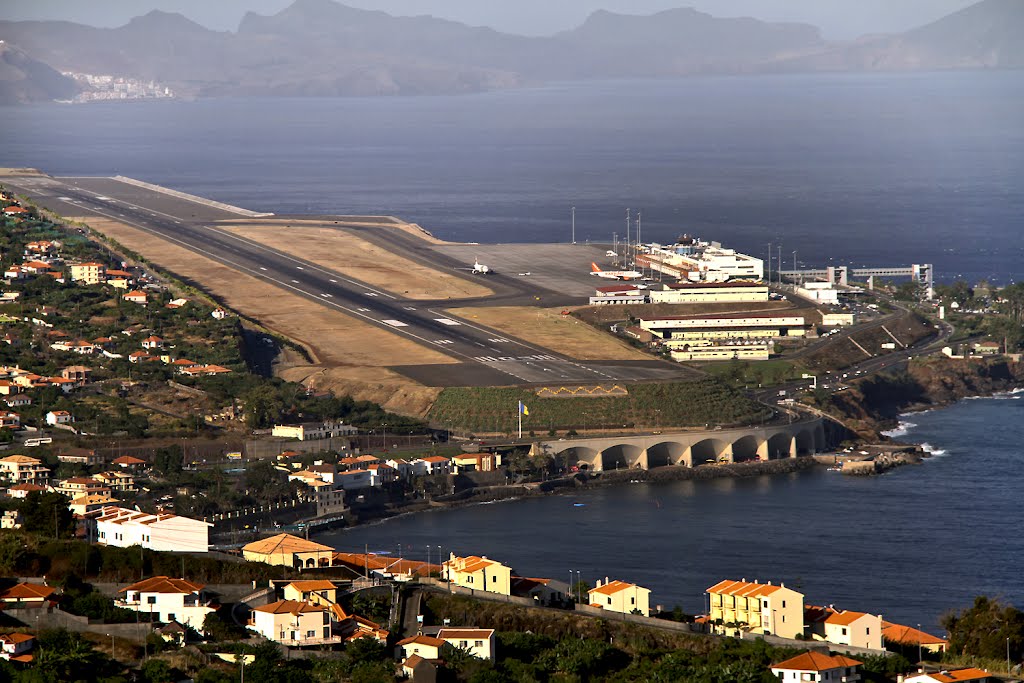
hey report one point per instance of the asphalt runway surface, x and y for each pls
(487, 357)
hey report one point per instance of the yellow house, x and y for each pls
(425, 647)
(749, 606)
(89, 273)
(619, 596)
(479, 573)
(323, 592)
(289, 551)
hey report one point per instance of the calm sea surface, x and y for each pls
(909, 545)
(857, 169)
(871, 170)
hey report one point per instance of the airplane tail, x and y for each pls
(594, 268)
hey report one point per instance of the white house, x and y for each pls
(16, 646)
(293, 623)
(59, 417)
(404, 468)
(814, 666)
(169, 600)
(854, 628)
(309, 431)
(382, 474)
(620, 596)
(120, 527)
(356, 479)
(478, 642)
(433, 464)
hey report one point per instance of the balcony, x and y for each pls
(309, 642)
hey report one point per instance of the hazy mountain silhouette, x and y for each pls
(24, 79)
(323, 48)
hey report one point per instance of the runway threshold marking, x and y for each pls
(447, 321)
(395, 323)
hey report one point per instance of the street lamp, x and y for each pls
(920, 656)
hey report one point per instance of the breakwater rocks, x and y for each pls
(883, 459)
(753, 468)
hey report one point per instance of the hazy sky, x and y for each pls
(839, 19)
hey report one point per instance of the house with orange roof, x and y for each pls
(816, 666)
(425, 647)
(81, 505)
(138, 356)
(137, 296)
(15, 272)
(90, 273)
(432, 464)
(381, 474)
(152, 342)
(21, 491)
(971, 675)
(22, 469)
(289, 551)
(59, 417)
(26, 595)
(844, 627)
(751, 607)
(9, 420)
(478, 573)
(35, 267)
(317, 592)
(15, 211)
(478, 642)
(170, 599)
(127, 461)
(476, 462)
(908, 637)
(81, 486)
(123, 528)
(547, 592)
(15, 647)
(294, 624)
(621, 597)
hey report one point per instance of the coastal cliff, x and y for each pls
(874, 404)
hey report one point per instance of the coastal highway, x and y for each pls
(486, 357)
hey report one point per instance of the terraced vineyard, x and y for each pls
(648, 406)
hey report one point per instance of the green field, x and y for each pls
(648, 406)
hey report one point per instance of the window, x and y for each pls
(783, 603)
(463, 643)
(632, 601)
(478, 643)
(867, 631)
(311, 633)
(151, 600)
(844, 630)
(170, 616)
(609, 601)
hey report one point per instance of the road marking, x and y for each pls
(394, 323)
(498, 340)
(486, 359)
(363, 310)
(447, 321)
(444, 341)
(65, 199)
(295, 282)
(409, 308)
(334, 281)
(370, 293)
(300, 267)
(326, 296)
(262, 268)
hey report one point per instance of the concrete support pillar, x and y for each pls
(727, 453)
(762, 450)
(641, 461)
(686, 458)
(792, 447)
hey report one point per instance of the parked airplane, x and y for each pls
(615, 274)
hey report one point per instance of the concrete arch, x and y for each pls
(779, 446)
(310, 563)
(805, 443)
(580, 456)
(621, 457)
(746, 448)
(666, 453)
(709, 450)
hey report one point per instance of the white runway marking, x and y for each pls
(447, 321)
(394, 323)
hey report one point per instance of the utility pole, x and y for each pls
(769, 263)
(574, 225)
(628, 228)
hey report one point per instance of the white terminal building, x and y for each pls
(694, 260)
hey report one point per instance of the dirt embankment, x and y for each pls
(875, 404)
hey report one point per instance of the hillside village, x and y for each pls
(193, 573)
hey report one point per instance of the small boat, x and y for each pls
(835, 468)
(579, 505)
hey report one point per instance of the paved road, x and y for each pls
(487, 357)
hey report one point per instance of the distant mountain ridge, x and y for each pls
(324, 48)
(24, 79)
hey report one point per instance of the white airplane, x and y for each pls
(614, 274)
(478, 268)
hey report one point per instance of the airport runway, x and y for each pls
(487, 358)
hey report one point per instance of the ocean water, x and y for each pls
(854, 169)
(844, 169)
(910, 545)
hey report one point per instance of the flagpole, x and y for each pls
(520, 411)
